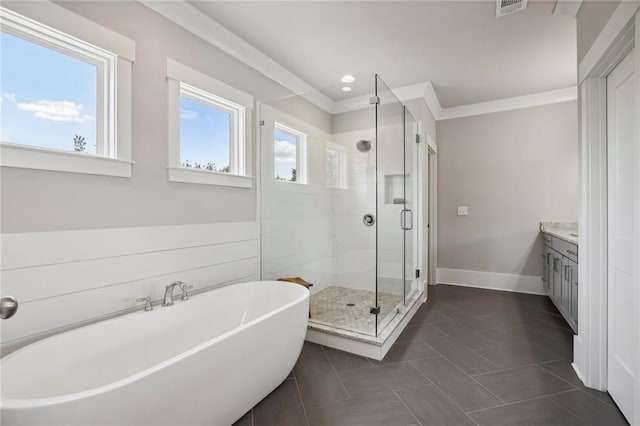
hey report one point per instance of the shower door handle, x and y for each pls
(403, 219)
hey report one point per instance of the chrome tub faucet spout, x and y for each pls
(168, 292)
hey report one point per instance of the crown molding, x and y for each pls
(404, 93)
(567, 7)
(518, 102)
(203, 26)
(621, 17)
(433, 103)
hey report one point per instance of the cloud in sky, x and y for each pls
(284, 152)
(188, 114)
(55, 110)
(11, 97)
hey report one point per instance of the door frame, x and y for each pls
(619, 36)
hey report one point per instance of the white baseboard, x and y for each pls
(577, 371)
(491, 280)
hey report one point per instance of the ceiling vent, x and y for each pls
(505, 7)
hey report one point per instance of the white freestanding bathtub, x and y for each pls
(204, 361)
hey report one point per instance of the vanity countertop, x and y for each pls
(567, 231)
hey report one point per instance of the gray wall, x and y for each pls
(591, 18)
(309, 113)
(365, 118)
(45, 201)
(353, 120)
(512, 169)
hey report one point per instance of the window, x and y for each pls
(58, 99)
(49, 98)
(211, 129)
(336, 166)
(289, 154)
(207, 129)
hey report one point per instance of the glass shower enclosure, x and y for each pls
(338, 208)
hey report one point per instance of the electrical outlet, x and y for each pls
(463, 210)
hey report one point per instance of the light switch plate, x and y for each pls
(463, 210)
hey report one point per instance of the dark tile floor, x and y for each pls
(468, 357)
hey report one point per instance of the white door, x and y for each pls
(622, 285)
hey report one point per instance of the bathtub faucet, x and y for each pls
(168, 292)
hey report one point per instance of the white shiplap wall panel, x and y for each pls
(42, 248)
(28, 284)
(77, 307)
(64, 279)
(296, 219)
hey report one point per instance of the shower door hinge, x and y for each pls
(417, 138)
(417, 273)
(375, 311)
(262, 122)
(374, 100)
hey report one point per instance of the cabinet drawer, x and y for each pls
(566, 248)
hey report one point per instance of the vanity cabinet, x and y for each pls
(574, 295)
(560, 276)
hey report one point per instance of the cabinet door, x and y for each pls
(556, 283)
(546, 269)
(574, 292)
(565, 290)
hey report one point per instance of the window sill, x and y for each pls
(29, 157)
(290, 182)
(205, 177)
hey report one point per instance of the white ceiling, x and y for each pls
(467, 53)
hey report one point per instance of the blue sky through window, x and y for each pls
(47, 98)
(285, 146)
(204, 135)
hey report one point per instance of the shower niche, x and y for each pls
(359, 164)
(394, 188)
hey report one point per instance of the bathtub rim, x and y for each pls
(23, 403)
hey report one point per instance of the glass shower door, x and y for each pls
(391, 209)
(409, 214)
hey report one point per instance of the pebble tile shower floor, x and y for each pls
(468, 357)
(348, 308)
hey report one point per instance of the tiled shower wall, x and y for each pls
(317, 232)
(296, 223)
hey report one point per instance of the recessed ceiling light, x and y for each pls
(348, 79)
(346, 89)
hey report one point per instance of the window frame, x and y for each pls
(183, 81)
(301, 152)
(342, 165)
(53, 27)
(236, 126)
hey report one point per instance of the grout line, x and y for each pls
(561, 378)
(570, 412)
(516, 368)
(488, 360)
(472, 379)
(472, 331)
(304, 409)
(524, 400)
(336, 372)
(407, 407)
(498, 368)
(443, 392)
(488, 390)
